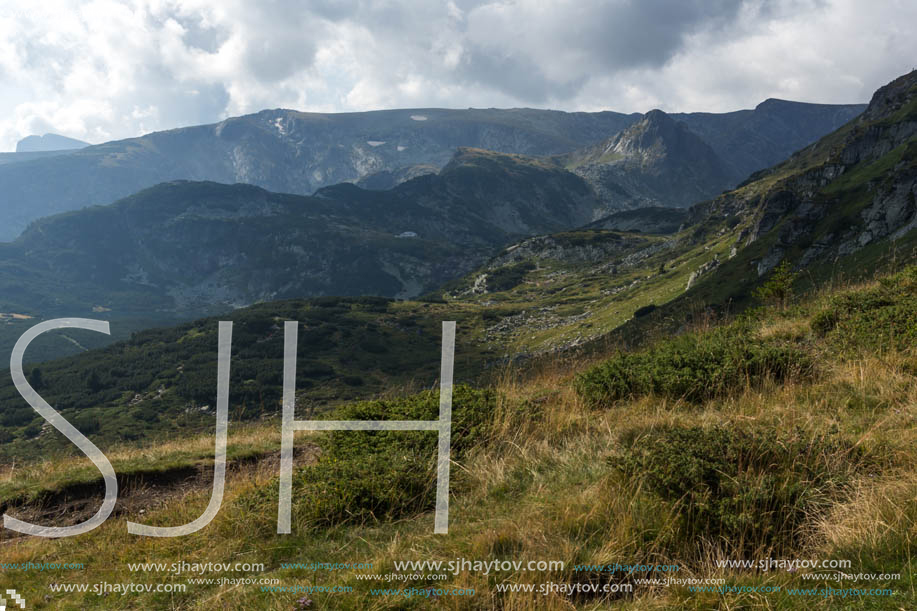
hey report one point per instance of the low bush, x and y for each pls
(645, 310)
(383, 475)
(370, 476)
(778, 289)
(694, 367)
(750, 489)
(509, 276)
(880, 317)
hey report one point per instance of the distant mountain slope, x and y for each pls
(295, 152)
(191, 246)
(680, 159)
(839, 209)
(49, 142)
(285, 151)
(389, 179)
(750, 140)
(6, 158)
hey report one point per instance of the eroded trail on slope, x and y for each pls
(142, 492)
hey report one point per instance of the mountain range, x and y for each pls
(184, 249)
(295, 152)
(731, 379)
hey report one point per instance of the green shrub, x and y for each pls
(509, 276)
(369, 476)
(778, 289)
(694, 367)
(825, 321)
(751, 488)
(645, 310)
(876, 318)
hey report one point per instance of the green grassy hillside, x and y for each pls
(786, 433)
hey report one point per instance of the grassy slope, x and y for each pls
(567, 302)
(543, 484)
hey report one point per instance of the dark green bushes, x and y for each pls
(694, 367)
(509, 276)
(348, 349)
(645, 310)
(778, 290)
(877, 318)
(751, 488)
(369, 476)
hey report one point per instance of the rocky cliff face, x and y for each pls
(865, 186)
(851, 189)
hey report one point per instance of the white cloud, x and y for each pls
(104, 69)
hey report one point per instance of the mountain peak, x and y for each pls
(657, 115)
(656, 161)
(49, 142)
(889, 98)
(653, 135)
(773, 104)
(657, 122)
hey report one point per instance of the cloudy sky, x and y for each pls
(104, 69)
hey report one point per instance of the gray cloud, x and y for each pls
(103, 69)
(516, 75)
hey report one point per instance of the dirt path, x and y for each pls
(139, 494)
